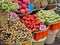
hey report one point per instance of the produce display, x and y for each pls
(23, 6)
(32, 22)
(23, 22)
(41, 3)
(7, 6)
(44, 3)
(14, 33)
(52, 1)
(48, 17)
(55, 1)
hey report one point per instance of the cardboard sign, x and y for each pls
(14, 15)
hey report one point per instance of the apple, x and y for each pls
(22, 11)
(14, 0)
(25, 1)
(20, 7)
(35, 16)
(27, 10)
(28, 2)
(24, 17)
(24, 6)
(19, 2)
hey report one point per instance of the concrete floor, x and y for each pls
(57, 42)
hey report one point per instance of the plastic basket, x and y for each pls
(51, 7)
(55, 26)
(39, 42)
(40, 35)
(51, 37)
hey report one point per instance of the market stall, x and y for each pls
(29, 22)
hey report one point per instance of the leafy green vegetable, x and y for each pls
(8, 6)
(48, 17)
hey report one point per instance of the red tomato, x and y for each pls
(37, 22)
(42, 23)
(28, 18)
(32, 18)
(28, 26)
(37, 26)
(36, 19)
(31, 27)
(34, 15)
(26, 22)
(19, 2)
(22, 20)
(33, 21)
(30, 23)
(34, 29)
(24, 17)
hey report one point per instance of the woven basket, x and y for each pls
(38, 5)
(51, 7)
(58, 1)
(3, 18)
(52, 1)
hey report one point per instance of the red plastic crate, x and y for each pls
(40, 35)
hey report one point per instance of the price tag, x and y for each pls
(42, 27)
(31, 7)
(14, 15)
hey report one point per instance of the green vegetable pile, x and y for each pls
(48, 17)
(8, 6)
